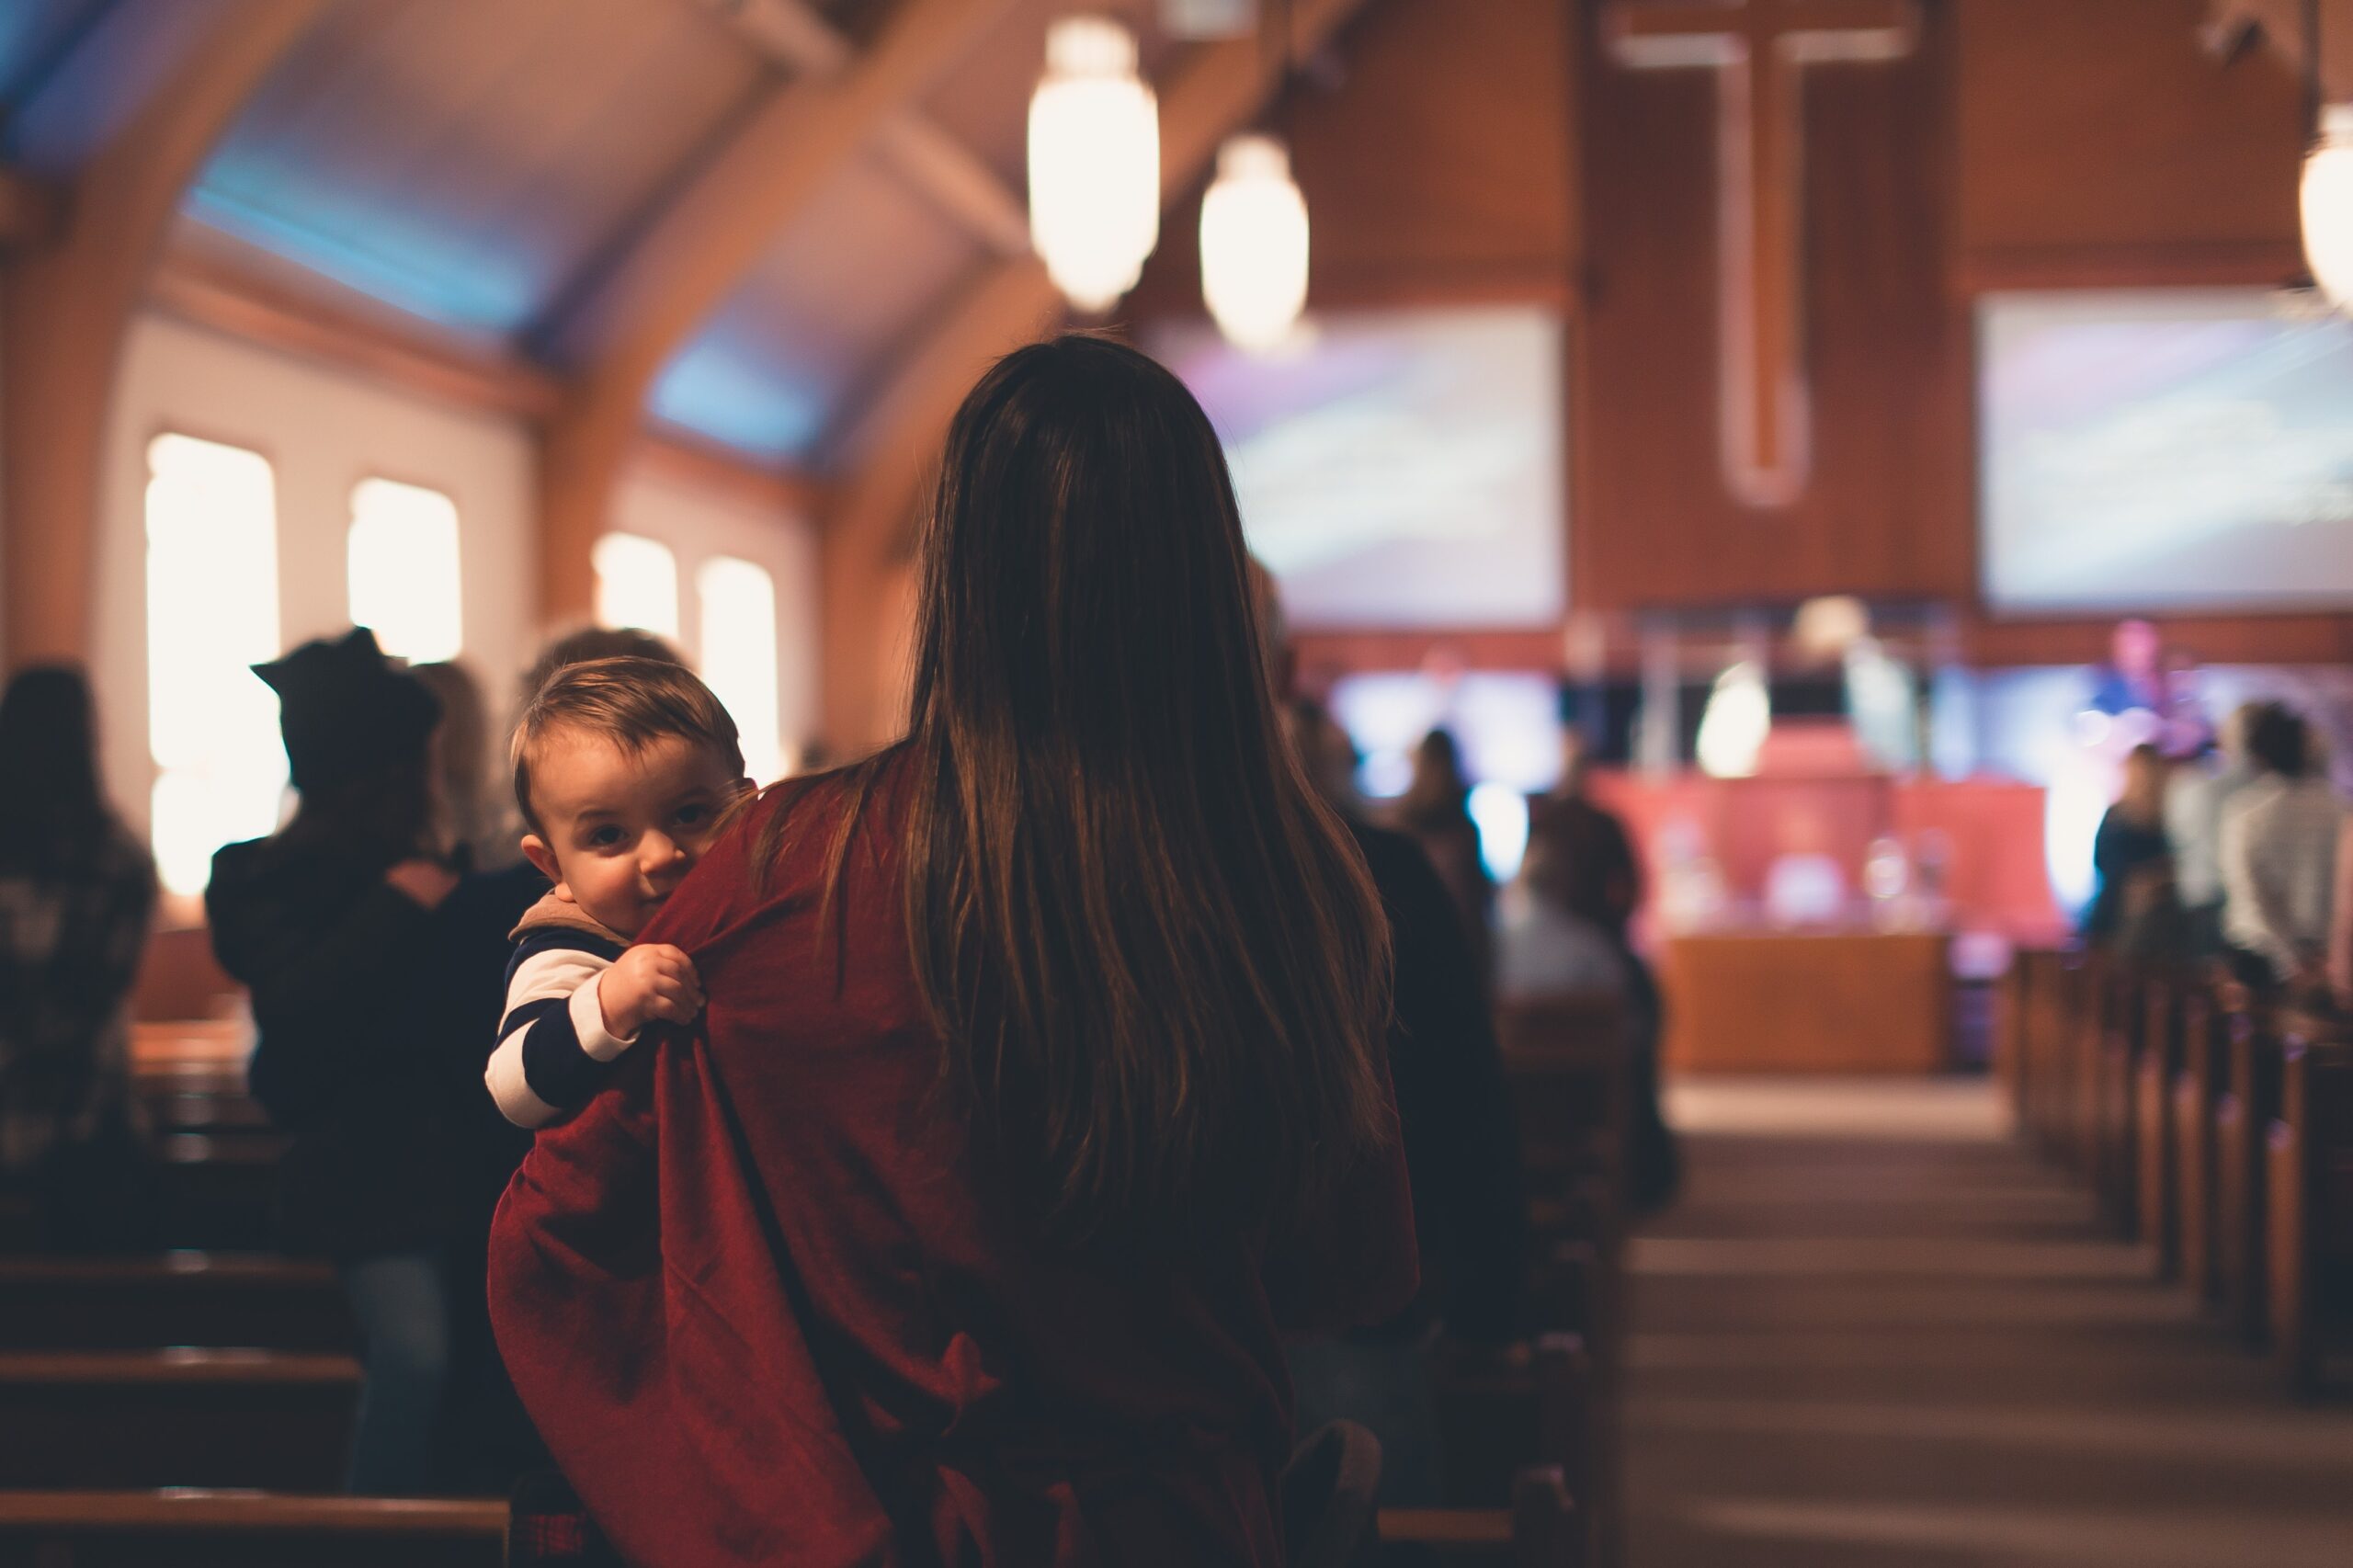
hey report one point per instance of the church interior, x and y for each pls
(1825, 523)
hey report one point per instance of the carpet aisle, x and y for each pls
(1875, 1332)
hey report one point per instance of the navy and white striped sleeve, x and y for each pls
(554, 1052)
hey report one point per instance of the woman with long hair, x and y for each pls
(1040, 1090)
(77, 894)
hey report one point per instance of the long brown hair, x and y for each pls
(1159, 967)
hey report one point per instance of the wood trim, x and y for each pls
(67, 308)
(1540, 283)
(2252, 264)
(2289, 639)
(206, 292)
(630, 324)
(667, 451)
(189, 1511)
(889, 445)
(1483, 648)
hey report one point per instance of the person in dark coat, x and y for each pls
(375, 985)
(77, 896)
(1461, 1142)
(2132, 860)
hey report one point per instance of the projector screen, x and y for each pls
(1399, 469)
(2188, 450)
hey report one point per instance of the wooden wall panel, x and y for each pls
(1439, 169)
(2098, 142)
(1887, 510)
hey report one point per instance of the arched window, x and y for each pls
(211, 615)
(404, 569)
(739, 656)
(637, 584)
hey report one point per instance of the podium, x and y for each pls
(1765, 1000)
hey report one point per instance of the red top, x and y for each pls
(768, 1305)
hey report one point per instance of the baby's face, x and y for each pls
(622, 828)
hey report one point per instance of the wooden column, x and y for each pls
(65, 312)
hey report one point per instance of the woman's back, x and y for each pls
(991, 1397)
(1041, 1084)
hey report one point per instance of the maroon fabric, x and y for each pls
(768, 1305)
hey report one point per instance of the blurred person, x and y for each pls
(2340, 927)
(2277, 857)
(1454, 1108)
(2133, 867)
(1567, 930)
(364, 953)
(1436, 810)
(2133, 680)
(2196, 798)
(472, 818)
(1329, 753)
(77, 898)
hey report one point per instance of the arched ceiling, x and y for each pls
(474, 172)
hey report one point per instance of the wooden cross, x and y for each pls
(1760, 49)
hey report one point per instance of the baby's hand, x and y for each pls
(646, 985)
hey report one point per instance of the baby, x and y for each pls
(623, 769)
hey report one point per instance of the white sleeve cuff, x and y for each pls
(588, 1022)
(508, 1087)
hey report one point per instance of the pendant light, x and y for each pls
(1094, 162)
(1254, 231)
(1253, 244)
(2327, 190)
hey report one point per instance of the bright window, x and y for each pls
(211, 615)
(404, 566)
(739, 656)
(637, 584)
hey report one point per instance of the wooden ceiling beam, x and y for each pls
(889, 448)
(32, 211)
(66, 308)
(209, 291)
(683, 268)
(940, 168)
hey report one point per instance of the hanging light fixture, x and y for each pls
(1253, 244)
(2328, 205)
(1094, 162)
(2328, 191)
(1254, 224)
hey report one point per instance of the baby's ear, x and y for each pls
(741, 787)
(536, 850)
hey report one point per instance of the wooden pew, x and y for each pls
(2157, 1169)
(2247, 1106)
(2032, 991)
(2310, 1183)
(243, 1529)
(1565, 1058)
(1540, 1529)
(175, 1417)
(1547, 1406)
(177, 1298)
(2200, 1081)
